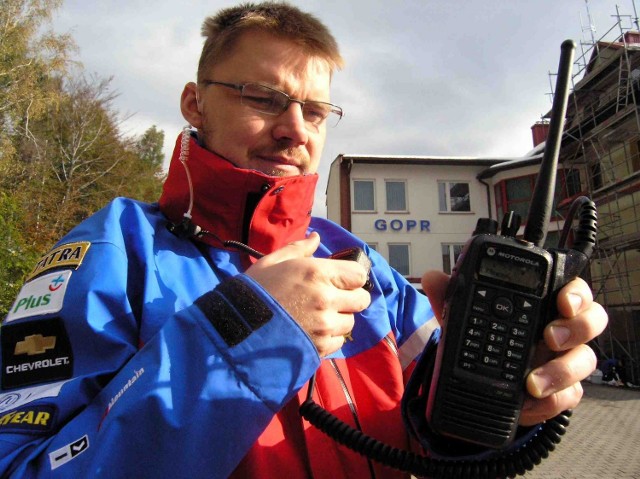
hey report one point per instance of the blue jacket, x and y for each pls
(130, 349)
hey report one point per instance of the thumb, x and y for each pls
(434, 284)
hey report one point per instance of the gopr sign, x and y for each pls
(422, 226)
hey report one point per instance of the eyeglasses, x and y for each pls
(275, 102)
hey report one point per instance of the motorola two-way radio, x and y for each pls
(501, 295)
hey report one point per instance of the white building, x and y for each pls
(419, 211)
(416, 211)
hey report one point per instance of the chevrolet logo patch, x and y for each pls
(35, 352)
(35, 344)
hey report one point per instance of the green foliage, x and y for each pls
(62, 153)
(149, 147)
(28, 60)
(17, 258)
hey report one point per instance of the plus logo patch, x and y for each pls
(44, 295)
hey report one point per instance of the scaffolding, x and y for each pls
(602, 142)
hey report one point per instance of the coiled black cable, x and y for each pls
(501, 465)
(509, 464)
(585, 234)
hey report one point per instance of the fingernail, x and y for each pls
(540, 383)
(560, 334)
(575, 300)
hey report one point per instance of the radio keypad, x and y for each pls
(496, 334)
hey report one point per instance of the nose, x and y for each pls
(290, 125)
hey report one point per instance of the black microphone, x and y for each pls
(185, 229)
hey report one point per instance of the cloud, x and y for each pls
(423, 77)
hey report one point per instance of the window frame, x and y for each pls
(447, 190)
(452, 257)
(408, 250)
(405, 198)
(564, 177)
(353, 195)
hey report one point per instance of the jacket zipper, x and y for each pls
(352, 406)
(391, 345)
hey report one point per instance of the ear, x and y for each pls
(189, 105)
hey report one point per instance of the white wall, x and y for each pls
(422, 202)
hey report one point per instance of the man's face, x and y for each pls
(282, 145)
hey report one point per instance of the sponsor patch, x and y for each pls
(44, 295)
(29, 420)
(65, 256)
(35, 352)
(63, 455)
(20, 397)
(136, 375)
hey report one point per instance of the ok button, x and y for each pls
(503, 307)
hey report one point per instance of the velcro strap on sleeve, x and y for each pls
(235, 310)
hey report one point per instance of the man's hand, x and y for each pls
(564, 357)
(322, 295)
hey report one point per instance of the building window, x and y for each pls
(396, 195)
(453, 196)
(450, 254)
(373, 246)
(515, 194)
(571, 183)
(519, 191)
(399, 258)
(364, 195)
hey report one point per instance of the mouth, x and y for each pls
(277, 165)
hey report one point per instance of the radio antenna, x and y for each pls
(542, 202)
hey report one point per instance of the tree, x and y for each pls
(62, 152)
(73, 162)
(149, 147)
(84, 160)
(31, 56)
(28, 60)
(17, 257)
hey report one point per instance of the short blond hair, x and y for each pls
(279, 18)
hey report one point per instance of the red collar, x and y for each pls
(223, 195)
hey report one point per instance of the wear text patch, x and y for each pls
(34, 419)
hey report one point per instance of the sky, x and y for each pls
(422, 77)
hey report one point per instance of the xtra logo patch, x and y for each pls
(29, 420)
(35, 352)
(65, 256)
(44, 295)
(63, 455)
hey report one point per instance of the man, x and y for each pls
(177, 339)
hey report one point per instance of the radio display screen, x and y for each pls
(524, 275)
